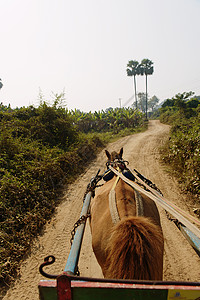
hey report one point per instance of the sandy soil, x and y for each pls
(141, 150)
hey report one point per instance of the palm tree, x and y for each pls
(1, 84)
(147, 69)
(132, 70)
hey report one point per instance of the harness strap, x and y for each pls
(112, 203)
(175, 207)
(139, 204)
(162, 202)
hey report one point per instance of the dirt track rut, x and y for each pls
(142, 151)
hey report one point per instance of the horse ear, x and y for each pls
(121, 152)
(108, 154)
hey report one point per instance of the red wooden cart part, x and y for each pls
(66, 289)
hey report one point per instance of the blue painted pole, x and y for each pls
(73, 257)
(191, 237)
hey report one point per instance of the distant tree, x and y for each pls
(146, 67)
(193, 103)
(1, 84)
(168, 102)
(132, 70)
(153, 102)
(182, 103)
(108, 109)
(197, 97)
(142, 102)
(59, 100)
(185, 96)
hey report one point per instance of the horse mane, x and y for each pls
(135, 250)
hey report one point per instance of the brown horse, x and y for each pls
(131, 248)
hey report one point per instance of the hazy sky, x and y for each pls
(83, 47)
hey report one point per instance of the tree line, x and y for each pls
(110, 120)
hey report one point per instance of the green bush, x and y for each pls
(41, 150)
(183, 148)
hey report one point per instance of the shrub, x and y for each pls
(183, 150)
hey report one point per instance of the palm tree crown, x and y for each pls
(147, 67)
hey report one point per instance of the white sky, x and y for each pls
(83, 47)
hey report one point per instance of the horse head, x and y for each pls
(114, 155)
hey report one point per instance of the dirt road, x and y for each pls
(141, 150)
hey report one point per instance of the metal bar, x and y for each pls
(191, 237)
(73, 257)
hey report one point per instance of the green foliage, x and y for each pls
(32, 175)
(113, 120)
(183, 149)
(142, 102)
(153, 102)
(48, 125)
(4, 108)
(135, 68)
(146, 67)
(132, 68)
(180, 106)
(41, 150)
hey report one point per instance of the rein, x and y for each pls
(160, 200)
